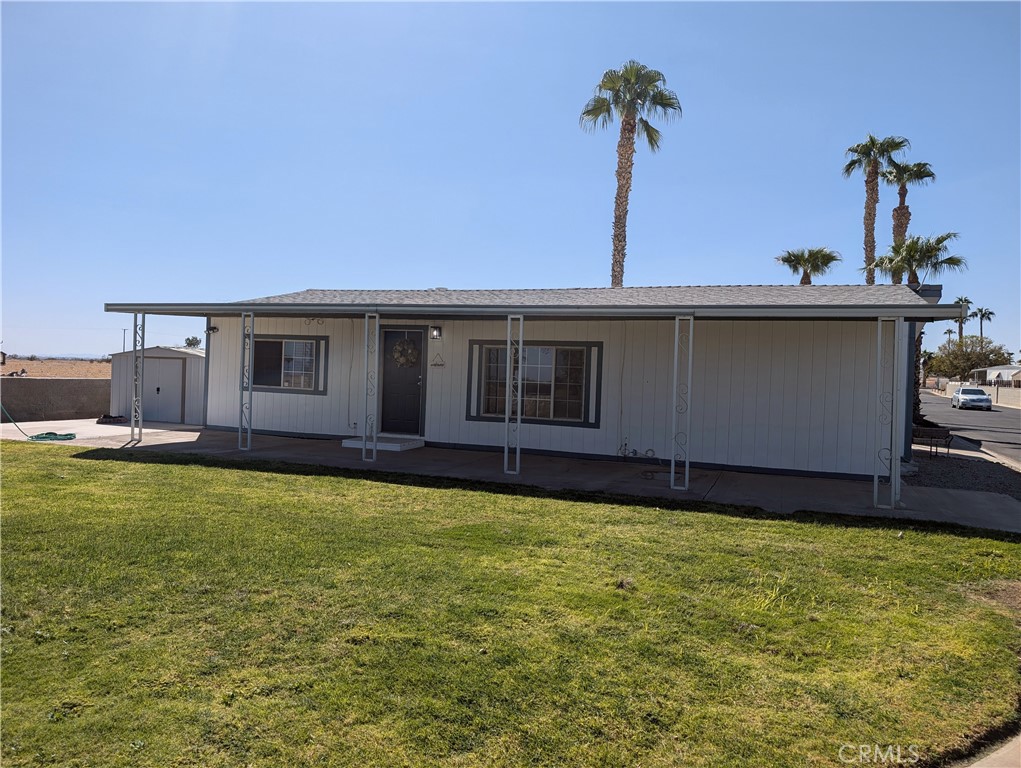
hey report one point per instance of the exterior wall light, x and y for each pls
(435, 332)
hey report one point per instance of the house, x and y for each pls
(997, 376)
(173, 384)
(798, 379)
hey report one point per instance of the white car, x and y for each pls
(968, 397)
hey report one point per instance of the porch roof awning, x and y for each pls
(713, 301)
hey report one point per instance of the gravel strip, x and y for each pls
(964, 474)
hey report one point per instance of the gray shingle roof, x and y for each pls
(658, 296)
(706, 301)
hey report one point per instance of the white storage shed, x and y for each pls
(173, 385)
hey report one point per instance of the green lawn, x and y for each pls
(172, 612)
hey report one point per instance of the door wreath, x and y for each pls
(405, 353)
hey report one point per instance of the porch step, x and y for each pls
(388, 443)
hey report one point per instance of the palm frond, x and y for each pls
(922, 256)
(651, 134)
(853, 165)
(664, 103)
(907, 173)
(598, 112)
(633, 91)
(814, 261)
(873, 150)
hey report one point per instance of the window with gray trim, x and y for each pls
(560, 382)
(289, 364)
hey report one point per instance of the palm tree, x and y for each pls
(809, 262)
(927, 255)
(965, 303)
(925, 360)
(900, 175)
(949, 333)
(965, 317)
(869, 157)
(630, 93)
(984, 316)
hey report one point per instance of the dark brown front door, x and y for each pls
(403, 369)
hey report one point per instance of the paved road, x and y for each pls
(998, 430)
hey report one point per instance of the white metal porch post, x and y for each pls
(512, 395)
(369, 431)
(138, 373)
(683, 340)
(889, 426)
(246, 378)
(899, 406)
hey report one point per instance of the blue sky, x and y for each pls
(218, 152)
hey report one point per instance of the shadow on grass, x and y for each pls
(994, 737)
(657, 503)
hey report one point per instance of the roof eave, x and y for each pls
(919, 312)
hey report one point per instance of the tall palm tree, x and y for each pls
(927, 255)
(869, 157)
(949, 332)
(631, 93)
(984, 316)
(900, 175)
(809, 262)
(965, 303)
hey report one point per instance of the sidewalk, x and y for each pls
(1005, 756)
(782, 494)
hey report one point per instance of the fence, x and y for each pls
(28, 399)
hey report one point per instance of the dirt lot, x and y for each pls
(58, 368)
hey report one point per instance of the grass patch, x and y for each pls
(191, 612)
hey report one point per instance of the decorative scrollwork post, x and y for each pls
(512, 405)
(138, 374)
(369, 434)
(890, 362)
(246, 380)
(680, 412)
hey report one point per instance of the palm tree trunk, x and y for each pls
(625, 167)
(901, 220)
(981, 333)
(806, 279)
(871, 204)
(960, 328)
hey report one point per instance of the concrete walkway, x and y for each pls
(782, 494)
(1004, 756)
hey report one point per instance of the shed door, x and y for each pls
(163, 396)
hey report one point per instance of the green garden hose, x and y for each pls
(42, 436)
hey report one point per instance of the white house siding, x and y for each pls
(797, 395)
